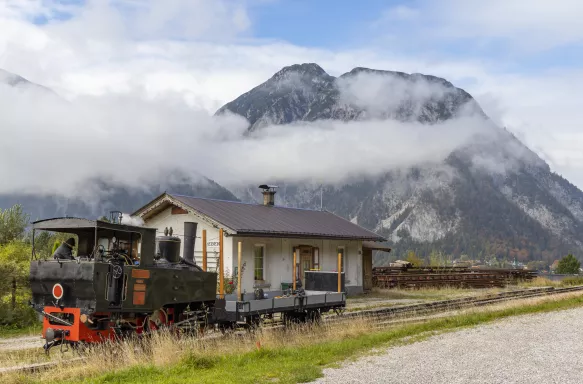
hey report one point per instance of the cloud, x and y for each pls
(52, 146)
(106, 65)
(391, 94)
(534, 25)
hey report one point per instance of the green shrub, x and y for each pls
(572, 280)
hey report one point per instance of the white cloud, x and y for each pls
(539, 23)
(534, 25)
(52, 145)
(122, 61)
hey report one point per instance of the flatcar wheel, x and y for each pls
(226, 328)
(314, 317)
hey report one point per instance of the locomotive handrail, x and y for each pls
(55, 318)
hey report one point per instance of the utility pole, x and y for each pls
(321, 195)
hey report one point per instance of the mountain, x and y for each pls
(19, 82)
(305, 92)
(106, 196)
(492, 197)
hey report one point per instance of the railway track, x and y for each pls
(452, 304)
(379, 315)
(434, 306)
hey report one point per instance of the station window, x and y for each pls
(259, 264)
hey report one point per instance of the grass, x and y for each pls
(424, 293)
(545, 282)
(23, 356)
(297, 355)
(33, 330)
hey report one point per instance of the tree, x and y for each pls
(537, 265)
(13, 222)
(56, 245)
(414, 259)
(568, 265)
(14, 284)
(435, 258)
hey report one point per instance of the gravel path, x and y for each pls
(17, 343)
(542, 348)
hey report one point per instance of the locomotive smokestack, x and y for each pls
(189, 241)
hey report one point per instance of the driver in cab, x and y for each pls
(65, 250)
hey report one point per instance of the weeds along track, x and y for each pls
(377, 316)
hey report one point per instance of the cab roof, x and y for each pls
(74, 224)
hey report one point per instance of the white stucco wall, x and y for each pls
(166, 219)
(279, 259)
(278, 251)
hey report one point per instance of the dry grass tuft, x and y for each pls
(541, 281)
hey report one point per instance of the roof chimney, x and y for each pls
(268, 194)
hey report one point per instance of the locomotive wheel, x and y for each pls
(157, 320)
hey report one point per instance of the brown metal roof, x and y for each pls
(375, 246)
(260, 220)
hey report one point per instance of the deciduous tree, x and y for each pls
(13, 223)
(414, 259)
(568, 265)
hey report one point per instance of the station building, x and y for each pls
(269, 235)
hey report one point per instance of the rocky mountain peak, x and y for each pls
(363, 70)
(305, 69)
(305, 92)
(20, 82)
(11, 78)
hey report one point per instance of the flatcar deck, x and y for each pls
(278, 302)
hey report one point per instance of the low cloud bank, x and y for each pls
(51, 145)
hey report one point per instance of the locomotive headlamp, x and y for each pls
(49, 335)
(58, 291)
(52, 334)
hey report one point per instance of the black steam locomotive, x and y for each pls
(124, 280)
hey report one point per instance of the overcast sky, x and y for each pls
(519, 59)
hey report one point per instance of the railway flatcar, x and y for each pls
(110, 280)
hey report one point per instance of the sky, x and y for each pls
(519, 59)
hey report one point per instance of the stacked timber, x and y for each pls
(405, 276)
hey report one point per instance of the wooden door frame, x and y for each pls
(300, 270)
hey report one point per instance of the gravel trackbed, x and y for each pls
(541, 348)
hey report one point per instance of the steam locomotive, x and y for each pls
(124, 281)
